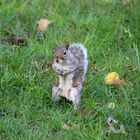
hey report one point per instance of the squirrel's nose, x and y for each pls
(57, 61)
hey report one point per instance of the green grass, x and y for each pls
(110, 31)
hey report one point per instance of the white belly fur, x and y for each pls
(65, 84)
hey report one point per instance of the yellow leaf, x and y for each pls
(111, 77)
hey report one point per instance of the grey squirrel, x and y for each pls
(70, 63)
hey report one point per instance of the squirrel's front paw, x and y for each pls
(64, 72)
(60, 72)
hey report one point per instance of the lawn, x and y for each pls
(110, 30)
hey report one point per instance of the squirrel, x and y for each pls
(70, 63)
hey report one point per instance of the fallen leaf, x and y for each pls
(65, 126)
(111, 105)
(70, 127)
(112, 122)
(42, 24)
(111, 77)
(47, 68)
(83, 112)
(118, 83)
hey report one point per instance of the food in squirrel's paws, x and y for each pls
(70, 64)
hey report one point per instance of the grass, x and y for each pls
(111, 32)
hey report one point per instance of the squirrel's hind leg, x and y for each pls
(75, 97)
(55, 94)
(77, 102)
(57, 82)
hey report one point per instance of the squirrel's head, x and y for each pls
(61, 53)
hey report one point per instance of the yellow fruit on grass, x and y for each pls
(111, 77)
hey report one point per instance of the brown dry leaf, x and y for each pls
(119, 83)
(42, 24)
(65, 126)
(48, 66)
(83, 112)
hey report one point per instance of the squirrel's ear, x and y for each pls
(67, 46)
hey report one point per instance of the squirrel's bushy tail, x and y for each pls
(80, 52)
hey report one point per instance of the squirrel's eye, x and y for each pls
(64, 53)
